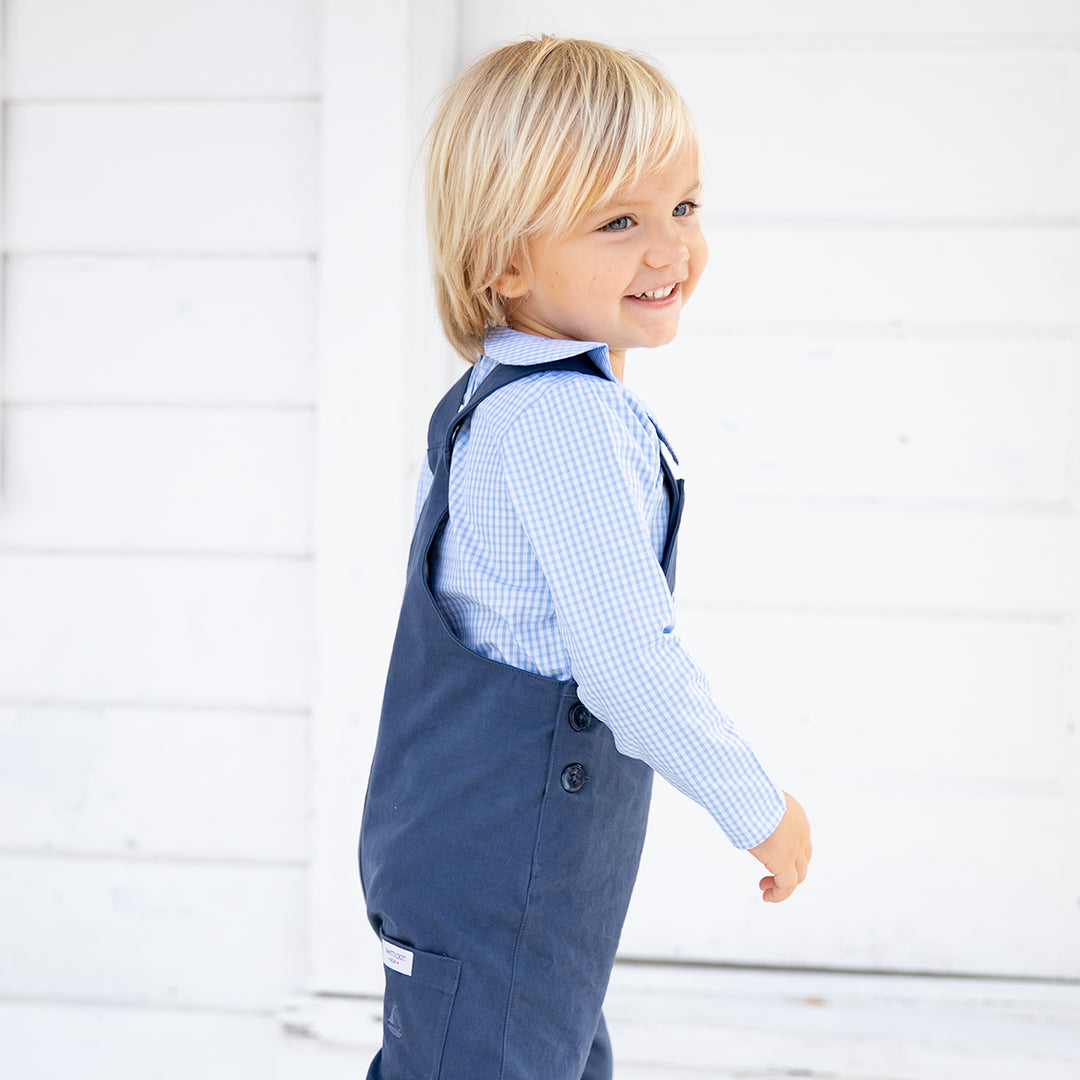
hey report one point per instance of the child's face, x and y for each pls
(623, 274)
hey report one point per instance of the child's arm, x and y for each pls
(785, 853)
(580, 473)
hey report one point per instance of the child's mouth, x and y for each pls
(656, 296)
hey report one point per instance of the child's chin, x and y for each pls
(661, 337)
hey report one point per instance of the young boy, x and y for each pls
(537, 681)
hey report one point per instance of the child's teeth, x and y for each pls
(656, 294)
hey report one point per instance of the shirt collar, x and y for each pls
(505, 346)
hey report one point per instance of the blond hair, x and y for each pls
(529, 140)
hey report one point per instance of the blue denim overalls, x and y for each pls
(501, 836)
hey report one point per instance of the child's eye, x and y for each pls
(684, 209)
(618, 225)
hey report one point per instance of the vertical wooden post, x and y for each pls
(372, 340)
(3, 230)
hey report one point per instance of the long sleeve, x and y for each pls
(582, 475)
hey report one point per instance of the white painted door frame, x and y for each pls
(381, 62)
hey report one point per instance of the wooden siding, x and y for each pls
(156, 654)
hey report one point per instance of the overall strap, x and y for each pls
(676, 497)
(446, 421)
(449, 415)
(444, 412)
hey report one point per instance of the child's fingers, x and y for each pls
(780, 885)
(772, 892)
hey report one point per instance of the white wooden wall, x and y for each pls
(218, 354)
(160, 199)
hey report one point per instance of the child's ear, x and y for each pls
(512, 283)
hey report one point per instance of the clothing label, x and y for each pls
(396, 958)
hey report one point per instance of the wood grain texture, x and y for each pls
(155, 783)
(215, 632)
(159, 933)
(485, 21)
(140, 177)
(126, 49)
(198, 330)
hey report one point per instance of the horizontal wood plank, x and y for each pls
(235, 330)
(148, 178)
(487, 21)
(45, 1041)
(151, 932)
(986, 421)
(976, 281)
(165, 783)
(159, 479)
(123, 48)
(183, 631)
(862, 556)
(726, 1024)
(945, 137)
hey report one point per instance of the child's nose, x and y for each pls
(667, 248)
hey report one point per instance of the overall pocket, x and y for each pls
(420, 989)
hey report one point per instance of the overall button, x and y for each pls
(580, 717)
(573, 778)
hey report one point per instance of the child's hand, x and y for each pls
(785, 853)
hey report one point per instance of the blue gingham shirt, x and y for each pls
(550, 563)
